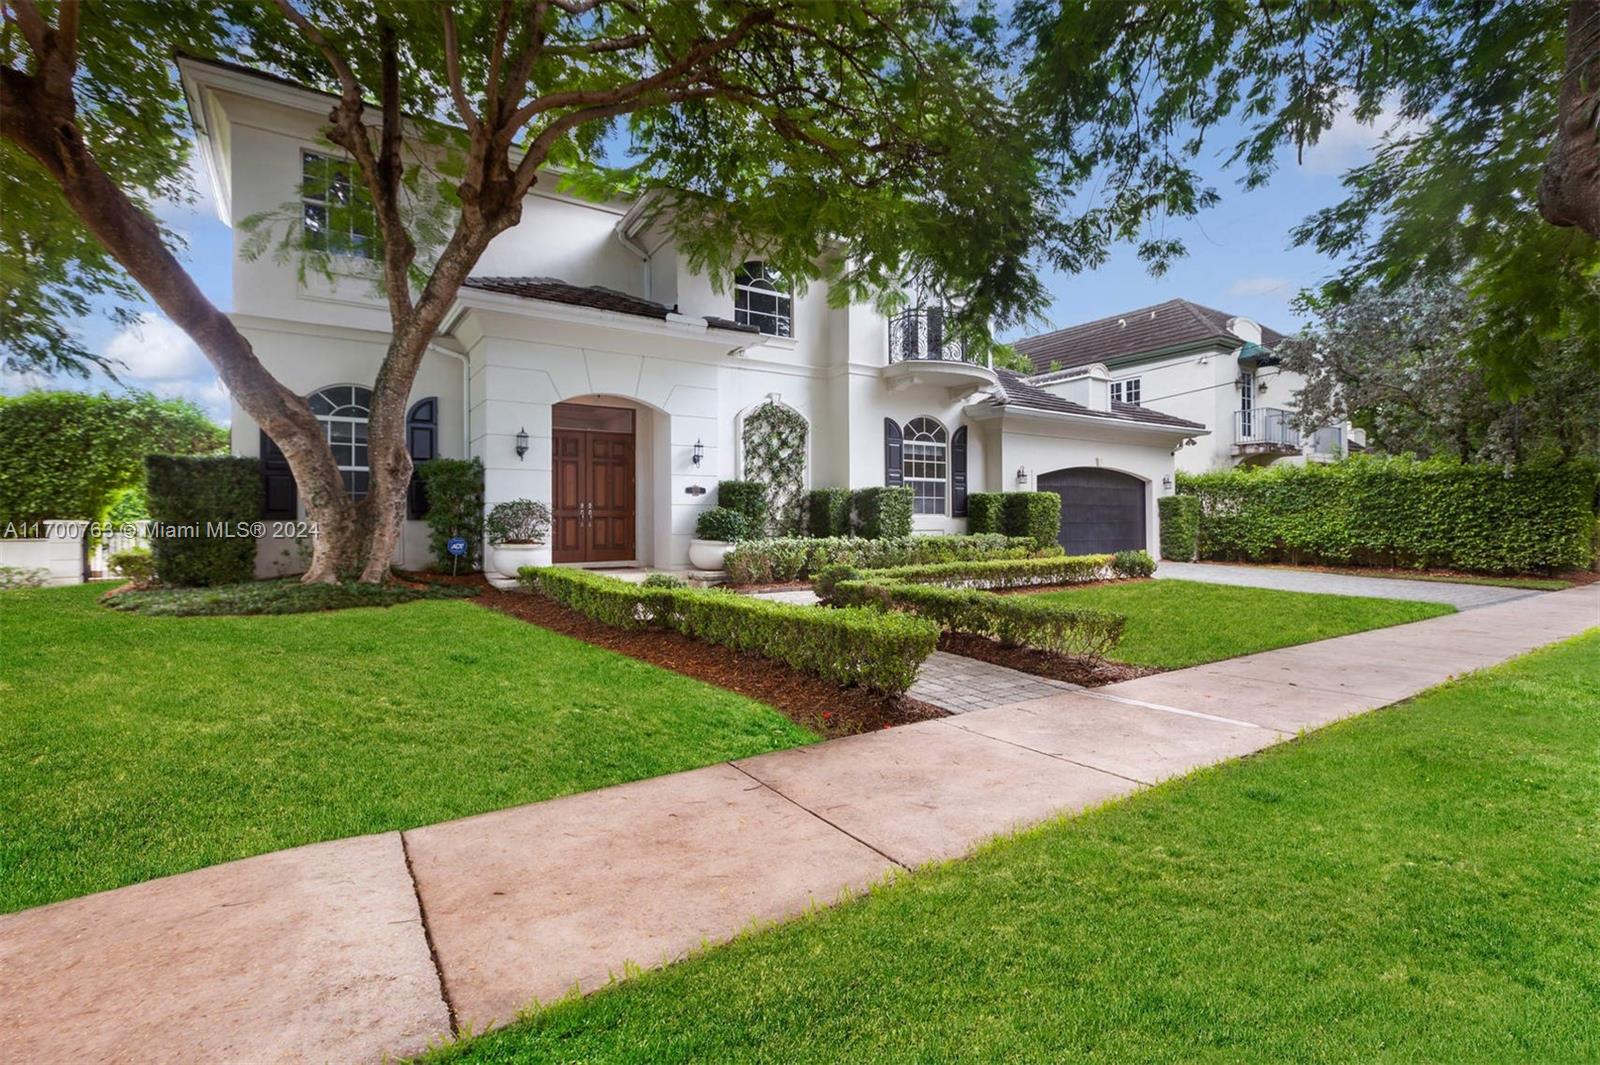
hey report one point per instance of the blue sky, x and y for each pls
(1240, 260)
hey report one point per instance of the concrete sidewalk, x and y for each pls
(1286, 579)
(360, 948)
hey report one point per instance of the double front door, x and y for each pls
(594, 496)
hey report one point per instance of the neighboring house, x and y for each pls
(1202, 365)
(588, 366)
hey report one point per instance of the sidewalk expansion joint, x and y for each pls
(843, 831)
(427, 935)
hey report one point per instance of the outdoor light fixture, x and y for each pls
(698, 454)
(1022, 475)
(1166, 483)
(522, 442)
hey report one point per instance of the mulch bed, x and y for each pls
(819, 705)
(1089, 673)
(1030, 589)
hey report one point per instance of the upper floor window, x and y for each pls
(927, 465)
(763, 299)
(343, 412)
(335, 208)
(1125, 391)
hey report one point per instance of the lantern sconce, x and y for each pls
(698, 454)
(1022, 475)
(522, 443)
(1166, 483)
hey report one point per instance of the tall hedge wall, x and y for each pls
(986, 512)
(1400, 512)
(204, 510)
(882, 513)
(1180, 527)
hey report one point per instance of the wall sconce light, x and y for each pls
(698, 453)
(522, 443)
(1022, 475)
(1166, 483)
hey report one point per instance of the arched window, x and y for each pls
(927, 465)
(343, 411)
(763, 299)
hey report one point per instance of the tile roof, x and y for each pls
(595, 297)
(1147, 329)
(1016, 391)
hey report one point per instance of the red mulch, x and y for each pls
(1089, 673)
(819, 705)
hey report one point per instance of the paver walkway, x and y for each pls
(1460, 596)
(961, 685)
(361, 948)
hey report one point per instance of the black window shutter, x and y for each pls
(422, 434)
(958, 473)
(893, 447)
(278, 495)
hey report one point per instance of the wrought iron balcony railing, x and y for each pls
(919, 335)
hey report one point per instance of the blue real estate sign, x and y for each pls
(456, 545)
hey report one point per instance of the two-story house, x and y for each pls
(588, 366)
(1202, 365)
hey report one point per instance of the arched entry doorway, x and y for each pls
(1101, 510)
(592, 483)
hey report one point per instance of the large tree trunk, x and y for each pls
(1569, 194)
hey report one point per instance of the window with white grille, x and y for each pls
(927, 465)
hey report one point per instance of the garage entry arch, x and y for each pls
(1101, 510)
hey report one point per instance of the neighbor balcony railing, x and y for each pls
(919, 335)
(1274, 427)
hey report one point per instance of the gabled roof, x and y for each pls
(1174, 323)
(1015, 391)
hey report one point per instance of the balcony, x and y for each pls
(921, 352)
(1270, 431)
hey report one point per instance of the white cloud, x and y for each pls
(1349, 142)
(153, 349)
(1258, 286)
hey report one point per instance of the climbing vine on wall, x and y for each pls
(775, 454)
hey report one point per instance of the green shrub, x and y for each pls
(866, 647)
(1033, 514)
(986, 512)
(518, 521)
(828, 512)
(791, 559)
(664, 580)
(721, 523)
(1014, 620)
(13, 577)
(203, 510)
(274, 597)
(882, 513)
(749, 499)
(1180, 527)
(455, 508)
(1133, 564)
(990, 573)
(1400, 512)
(135, 563)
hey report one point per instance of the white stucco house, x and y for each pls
(586, 365)
(1202, 365)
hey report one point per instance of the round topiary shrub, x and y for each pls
(721, 523)
(518, 521)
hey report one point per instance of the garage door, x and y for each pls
(1101, 510)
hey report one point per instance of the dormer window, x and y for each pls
(336, 211)
(1125, 391)
(763, 299)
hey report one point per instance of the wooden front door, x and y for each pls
(593, 494)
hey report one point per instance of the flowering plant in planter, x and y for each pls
(518, 521)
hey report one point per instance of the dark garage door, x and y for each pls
(1101, 510)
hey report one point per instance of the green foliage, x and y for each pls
(455, 508)
(1400, 512)
(986, 512)
(1033, 514)
(749, 500)
(1133, 564)
(13, 577)
(275, 597)
(66, 455)
(203, 508)
(518, 521)
(1180, 527)
(882, 513)
(664, 580)
(845, 646)
(136, 564)
(721, 523)
(828, 512)
(774, 561)
(985, 574)
(774, 439)
(1014, 620)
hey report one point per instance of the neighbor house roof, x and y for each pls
(1175, 323)
(1016, 392)
(595, 297)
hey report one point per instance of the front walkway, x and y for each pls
(1460, 596)
(361, 948)
(961, 685)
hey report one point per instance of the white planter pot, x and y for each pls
(508, 558)
(708, 554)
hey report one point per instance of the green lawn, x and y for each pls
(1421, 883)
(132, 747)
(1183, 623)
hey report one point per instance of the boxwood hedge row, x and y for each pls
(796, 558)
(988, 573)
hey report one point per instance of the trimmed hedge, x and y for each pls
(795, 558)
(866, 647)
(749, 499)
(828, 512)
(455, 508)
(1133, 564)
(1033, 514)
(1014, 620)
(986, 512)
(723, 524)
(1180, 527)
(882, 513)
(206, 506)
(990, 573)
(1400, 512)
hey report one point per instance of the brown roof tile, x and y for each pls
(1016, 391)
(555, 290)
(1147, 329)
